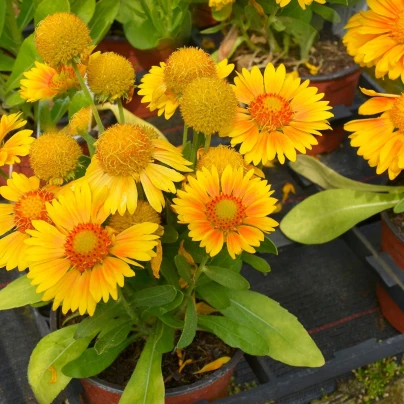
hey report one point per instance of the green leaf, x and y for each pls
(14, 99)
(84, 162)
(267, 246)
(224, 260)
(214, 294)
(190, 322)
(257, 263)
(83, 8)
(171, 321)
(130, 10)
(327, 13)
(77, 102)
(6, 62)
(184, 269)
(169, 271)
(328, 214)
(27, 10)
(51, 354)
(234, 334)
(113, 338)
(103, 17)
(213, 30)
(287, 340)
(59, 109)
(146, 384)
(227, 278)
(170, 235)
(155, 296)
(165, 308)
(112, 324)
(399, 208)
(3, 11)
(327, 178)
(223, 13)
(143, 35)
(166, 341)
(19, 293)
(48, 7)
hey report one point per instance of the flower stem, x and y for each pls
(184, 136)
(121, 114)
(195, 148)
(88, 96)
(3, 174)
(196, 276)
(208, 139)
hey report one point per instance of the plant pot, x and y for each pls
(390, 310)
(329, 141)
(213, 387)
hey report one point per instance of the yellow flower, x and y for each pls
(162, 87)
(80, 122)
(302, 3)
(54, 157)
(208, 105)
(76, 261)
(380, 140)
(111, 76)
(26, 203)
(217, 5)
(281, 115)
(17, 144)
(61, 38)
(44, 82)
(230, 209)
(376, 38)
(125, 156)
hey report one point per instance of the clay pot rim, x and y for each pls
(177, 391)
(391, 226)
(329, 77)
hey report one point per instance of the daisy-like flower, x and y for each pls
(282, 115)
(231, 209)
(27, 203)
(75, 260)
(43, 82)
(380, 140)
(127, 155)
(18, 144)
(376, 37)
(163, 86)
(217, 5)
(302, 3)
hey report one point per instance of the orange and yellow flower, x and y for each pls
(302, 3)
(75, 260)
(218, 5)
(27, 203)
(128, 155)
(380, 140)
(162, 87)
(231, 209)
(376, 37)
(16, 145)
(281, 115)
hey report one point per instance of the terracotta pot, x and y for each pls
(21, 168)
(390, 310)
(329, 141)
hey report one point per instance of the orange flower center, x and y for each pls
(397, 29)
(397, 113)
(225, 212)
(271, 111)
(31, 206)
(86, 245)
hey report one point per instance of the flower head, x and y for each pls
(61, 38)
(220, 157)
(231, 208)
(17, 144)
(217, 5)
(80, 122)
(282, 115)
(376, 38)
(162, 87)
(380, 140)
(302, 3)
(54, 157)
(111, 76)
(208, 105)
(84, 261)
(26, 203)
(128, 154)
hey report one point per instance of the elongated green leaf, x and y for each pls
(146, 384)
(189, 331)
(224, 260)
(113, 338)
(328, 214)
(112, 324)
(165, 308)
(6, 62)
(184, 269)
(48, 358)
(3, 11)
(165, 342)
(83, 8)
(170, 235)
(19, 293)
(103, 17)
(142, 34)
(214, 294)
(399, 208)
(327, 13)
(27, 10)
(227, 278)
(327, 178)
(155, 296)
(234, 334)
(286, 338)
(48, 7)
(171, 321)
(257, 263)
(267, 246)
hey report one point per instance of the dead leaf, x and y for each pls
(203, 308)
(217, 364)
(278, 207)
(187, 362)
(182, 251)
(227, 43)
(156, 261)
(287, 189)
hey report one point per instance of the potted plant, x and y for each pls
(139, 246)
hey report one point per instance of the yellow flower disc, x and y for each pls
(110, 76)
(80, 121)
(220, 157)
(125, 150)
(61, 38)
(208, 105)
(185, 65)
(54, 157)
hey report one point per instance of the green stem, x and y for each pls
(127, 307)
(88, 96)
(90, 143)
(208, 139)
(195, 144)
(121, 114)
(196, 276)
(184, 136)
(3, 174)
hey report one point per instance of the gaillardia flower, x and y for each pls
(231, 209)
(208, 105)
(54, 157)
(61, 38)
(80, 122)
(27, 203)
(376, 37)
(163, 86)
(110, 76)
(380, 140)
(75, 260)
(302, 3)
(127, 155)
(282, 115)
(18, 144)
(218, 5)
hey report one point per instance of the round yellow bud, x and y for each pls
(220, 157)
(80, 122)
